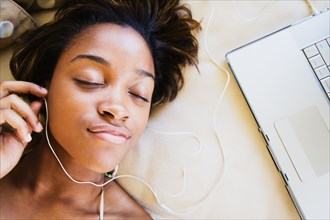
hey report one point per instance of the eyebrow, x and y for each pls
(97, 59)
(145, 73)
(101, 60)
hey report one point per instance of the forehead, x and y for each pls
(107, 40)
(109, 33)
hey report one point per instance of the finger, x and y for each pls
(16, 122)
(23, 109)
(21, 87)
(36, 107)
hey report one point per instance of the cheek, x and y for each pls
(140, 126)
(65, 102)
(62, 122)
(64, 113)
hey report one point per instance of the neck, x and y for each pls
(42, 172)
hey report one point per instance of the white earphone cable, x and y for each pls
(312, 7)
(185, 164)
(216, 130)
(154, 191)
(255, 17)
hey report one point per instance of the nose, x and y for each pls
(114, 107)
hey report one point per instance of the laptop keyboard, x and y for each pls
(319, 58)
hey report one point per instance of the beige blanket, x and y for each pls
(203, 156)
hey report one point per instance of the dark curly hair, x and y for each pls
(166, 25)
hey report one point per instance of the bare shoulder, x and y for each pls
(118, 201)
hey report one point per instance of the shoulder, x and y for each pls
(117, 200)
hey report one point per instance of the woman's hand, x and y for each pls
(20, 117)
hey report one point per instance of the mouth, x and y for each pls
(110, 133)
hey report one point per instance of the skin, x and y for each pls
(99, 104)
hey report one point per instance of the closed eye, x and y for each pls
(139, 96)
(87, 83)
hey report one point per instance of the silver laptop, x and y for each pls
(285, 79)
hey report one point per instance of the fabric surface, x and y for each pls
(204, 163)
(242, 184)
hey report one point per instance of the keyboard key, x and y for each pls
(316, 61)
(322, 72)
(324, 50)
(319, 58)
(326, 84)
(311, 51)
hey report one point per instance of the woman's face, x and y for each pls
(100, 95)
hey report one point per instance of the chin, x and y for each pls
(101, 165)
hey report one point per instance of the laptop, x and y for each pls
(285, 80)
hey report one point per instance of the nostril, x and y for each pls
(115, 116)
(113, 111)
(108, 114)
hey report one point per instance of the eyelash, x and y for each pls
(86, 83)
(139, 97)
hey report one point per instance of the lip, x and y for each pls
(110, 133)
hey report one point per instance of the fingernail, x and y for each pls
(43, 89)
(39, 127)
(28, 137)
